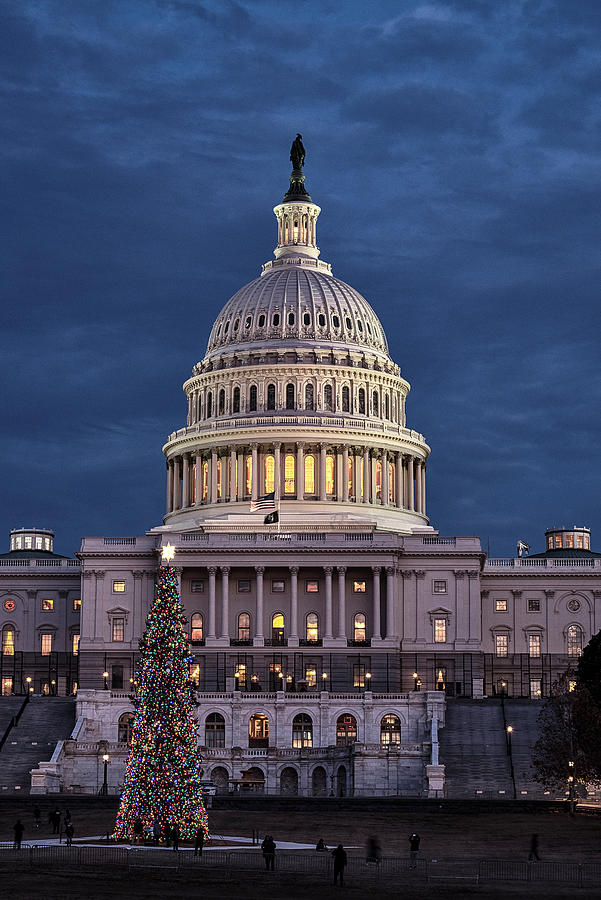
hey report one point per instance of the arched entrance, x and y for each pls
(341, 782)
(289, 782)
(220, 778)
(258, 731)
(318, 782)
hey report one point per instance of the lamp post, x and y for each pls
(324, 680)
(415, 681)
(571, 783)
(368, 681)
(509, 733)
(53, 686)
(28, 689)
(105, 675)
(104, 788)
(418, 684)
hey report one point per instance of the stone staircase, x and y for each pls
(45, 721)
(473, 750)
(9, 707)
(522, 716)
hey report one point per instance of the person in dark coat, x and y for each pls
(18, 828)
(55, 820)
(199, 841)
(340, 861)
(268, 847)
(533, 854)
(138, 831)
(69, 831)
(167, 833)
(156, 831)
(321, 845)
(175, 836)
(414, 849)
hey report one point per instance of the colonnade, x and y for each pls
(300, 471)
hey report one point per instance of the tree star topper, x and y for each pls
(168, 552)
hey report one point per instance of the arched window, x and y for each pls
(277, 628)
(312, 627)
(387, 406)
(269, 474)
(361, 401)
(275, 321)
(271, 396)
(219, 479)
(391, 483)
(327, 397)
(261, 321)
(302, 731)
(125, 727)
(205, 480)
(309, 474)
(359, 627)
(378, 480)
(289, 486)
(329, 475)
(244, 627)
(575, 640)
(236, 402)
(346, 405)
(221, 402)
(291, 318)
(196, 634)
(249, 475)
(346, 730)
(258, 731)
(376, 404)
(390, 731)
(8, 640)
(252, 399)
(306, 318)
(214, 730)
(309, 397)
(209, 404)
(289, 396)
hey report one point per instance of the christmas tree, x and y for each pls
(162, 774)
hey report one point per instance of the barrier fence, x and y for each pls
(578, 874)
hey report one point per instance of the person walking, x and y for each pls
(69, 832)
(138, 831)
(175, 836)
(533, 854)
(268, 847)
(156, 831)
(340, 860)
(199, 841)
(414, 841)
(18, 828)
(55, 820)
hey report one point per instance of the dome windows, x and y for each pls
(321, 319)
(335, 321)
(291, 318)
(218, 330)
(327, 397)
(261, 322)
(252, 398)
(236, 324)
(306, 319)
(348, 323)
(368, 327)
(360, 325)
(289, 396)
(345, 399)
(236, 400)
(271, 396)
(248, 321)
(309, 397)
(227, 327)
(361, 401)
(276, 319)
(221, 402)
(209, 405)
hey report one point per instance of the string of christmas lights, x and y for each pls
(162, 774)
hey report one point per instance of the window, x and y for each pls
(209, 405)
(275, 320)
(289, 480)
(329, 475)
(278, 587)
(275, 676)
(390, 731)
(321, 320)
(309, 474)
(261, 322)
(258, 731)
(243, 586)
(196, 633)
(533, 604)
(248, 321)
(221, 402)
(359, 324)
(386, 406)
(269, 474)
(240, 675)
(117, 678)
(306, 319)
(118, 587)
(502, 644)
(309, 397)
(534, 645)
(118, 630)
(327, 397)
(291, 318)
(311, 676)
(439, 587)
(252, 398)
(8, 640)
(345, 399)
(236, 400)
(249, 475)
(302, 731)
(289, 396)
(214, 730)
(375, 404)
(335, 321)
(346, 730)
(312, 627)
(440, 631)
(197, 587)
(359, 675)
(535, 689)
(46, 642)
(358, 587)
(244, 627)
(7, 685)
(75, 644)
(500, 605)
(348, 322)
(194, 673)
(311, 587)
(378, 480)
(359, 627)
(125, 728)
(575, 640)
(47, 605)
(76, 603)
(271, 396)
(277, 628)
(361, 401)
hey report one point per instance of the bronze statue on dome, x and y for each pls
(297, 152)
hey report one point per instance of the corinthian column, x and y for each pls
(186, 481)
(259, 639)
(213, 498)
(233, 473)
(366, 475)
(277, 473)
(225, 603)
(345, 474)
(322, 471)
(399, 480)
(254, 472)
(169, 485)
(385, 486)
(377, 628)
(328, 633)
(410, 475)
(418, 486)
(293, 636)
(300, 471)
(342, 603)
(390, 603)
(212, 629)
(176, 483)
(198, 485)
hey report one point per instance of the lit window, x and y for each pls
(278, 587)
(7, 685)
(533, 605)
(311, 676)
(240, 674)
(249, 475)
(197, 587)
(312, 627)
(118, 630)
(244, 627)
(571, 686)
(309, 474)
(439, 587)
(440, 631)
(194, 673)
(390, 730)
(243, 586)
(550, 542)
(8, 641)
(535, 689)
(534, 645)
(196, 628)
(28, 542)
(46, 644)
(359, 627)
(289, 485)
(38, 543)
(312, 587)
(575, 640)
(77, 603)
(329, 475)
(118, 587)
(569, 539)
(358, 587)
(125, 728)
(359, 675)
(502, 644)
(258, 730)
(75, 645)
(500, 605)
(346, 730)
(47, 605)
(302, 731)
(269, 474)
(277, 628)
(558, 540)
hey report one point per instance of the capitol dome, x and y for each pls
(297, 399)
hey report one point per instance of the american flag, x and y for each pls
(266, 502)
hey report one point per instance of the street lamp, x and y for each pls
(418, 684)
(324, 678)
(509, 733)
(105, 675)
(104, 788)
(53, 686)
(503, 686)
(415, 681)
(368, 681)
(29, 687)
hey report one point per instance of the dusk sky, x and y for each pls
(454, 148)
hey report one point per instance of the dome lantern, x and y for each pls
(297, 214)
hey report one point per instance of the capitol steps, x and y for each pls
(473, 749)
(522, 715)
(45, 720)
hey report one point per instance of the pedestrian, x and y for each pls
(268, 847)
(18, 828)
(37, 816)
(175, 836)
(138, 831)
(199, 841)
(321, 845)
(414, 849)
(533, 854)
(167, 833)
(374, 852)
(55, 820)
(69, 832)
(340, 861)
(156, 831)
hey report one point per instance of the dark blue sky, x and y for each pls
(454, 148)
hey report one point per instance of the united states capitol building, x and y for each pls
(327, 645)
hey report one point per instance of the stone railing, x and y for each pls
(544, 563)
(62, 564)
